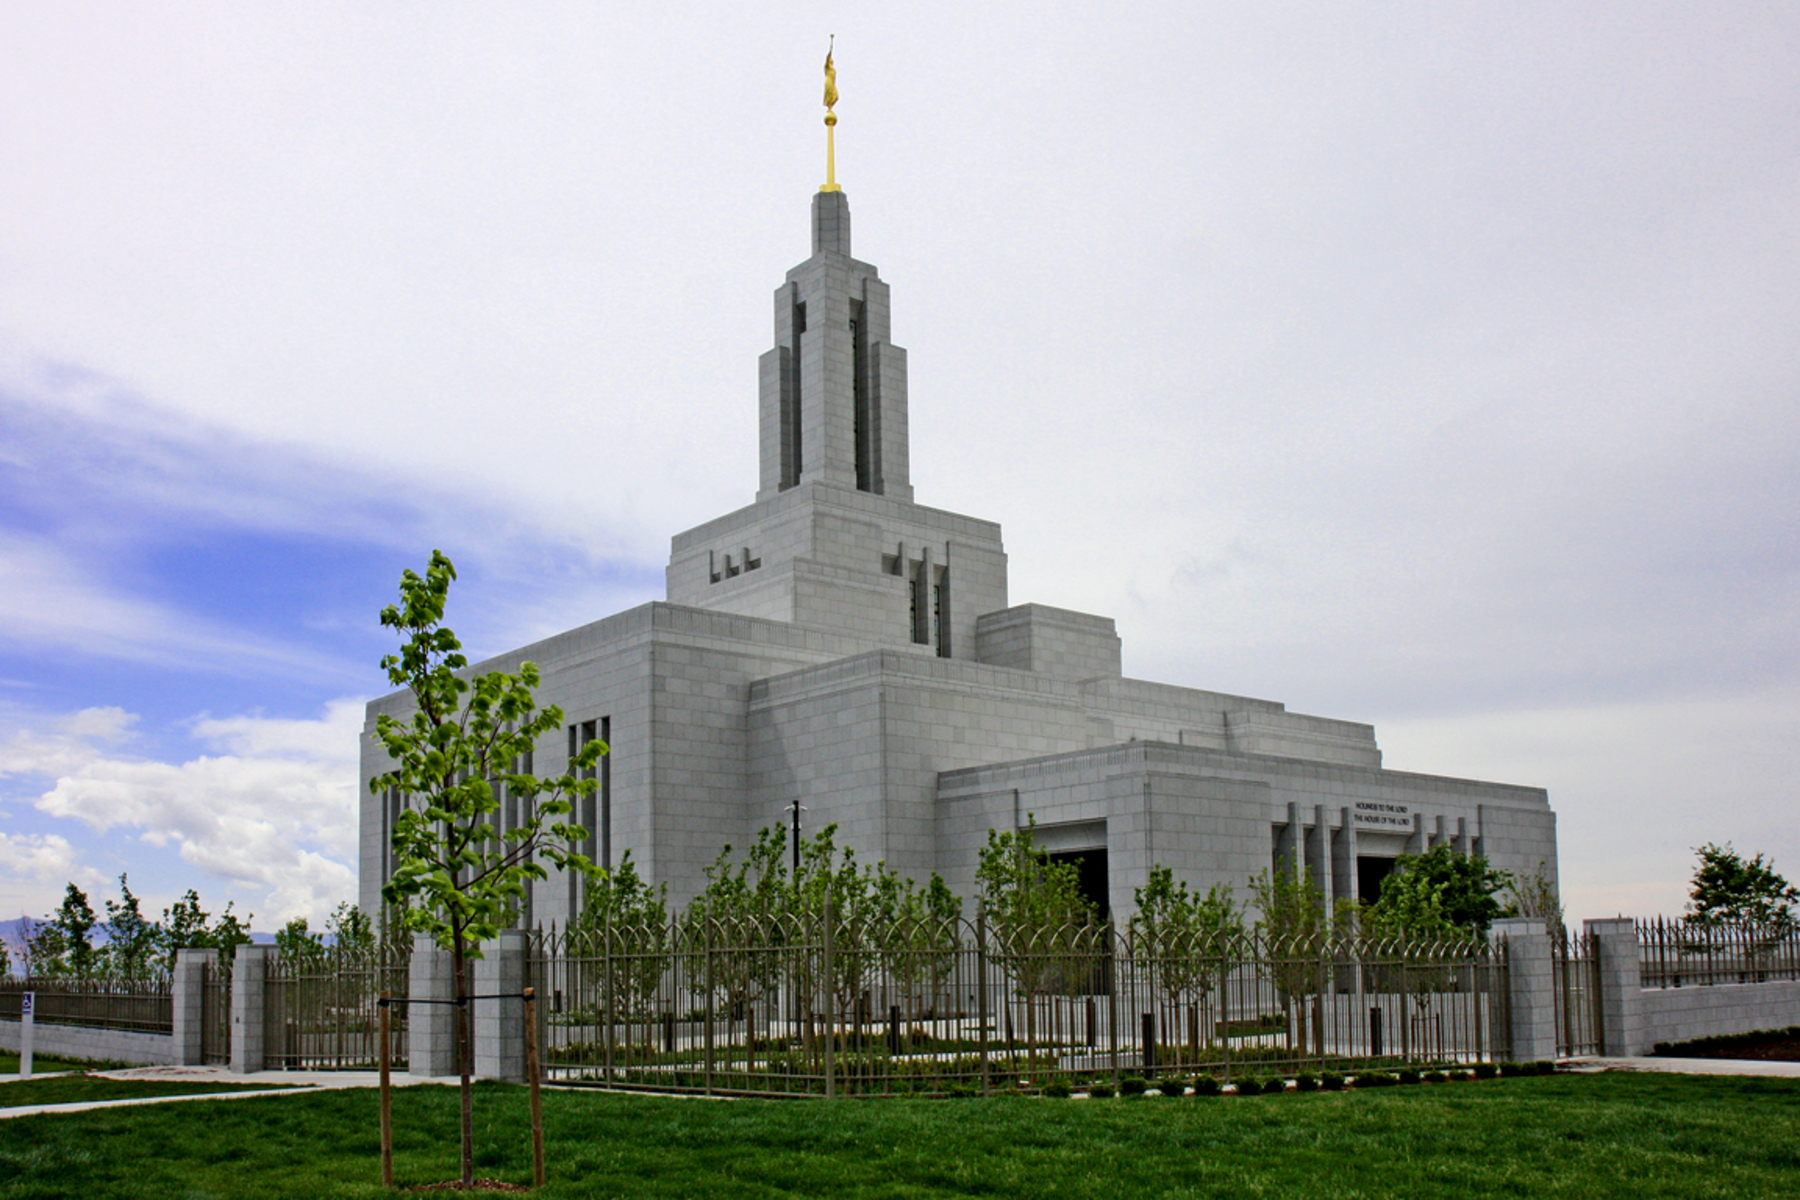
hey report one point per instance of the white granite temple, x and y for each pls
(836, 644)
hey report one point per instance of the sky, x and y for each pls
(1427, 365)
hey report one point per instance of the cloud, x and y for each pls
(274, 815)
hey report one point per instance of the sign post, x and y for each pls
(27, 1012)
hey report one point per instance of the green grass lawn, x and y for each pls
(1576, 1136)
(77, 1089)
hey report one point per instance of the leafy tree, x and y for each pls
(1183, 935)
(747, 901)
(920, 941)
(1440, 894)
(185, 926)
(74, 923)
(458, 877)
(5, 960)
(302, 951)
(627, 917)
(1042, 927)
(133, 942)
(1729, 889)
(1295, 928)
(42, 942)
(352, 933)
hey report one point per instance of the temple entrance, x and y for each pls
(1092, 866)
(1370, 872)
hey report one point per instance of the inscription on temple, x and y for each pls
(1373, 814)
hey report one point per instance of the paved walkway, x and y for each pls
(1688, 1066)
(300, 1082)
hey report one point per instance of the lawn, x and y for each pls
(1640, 1136)
(77, 1089)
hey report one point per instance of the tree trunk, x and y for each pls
(459, 966)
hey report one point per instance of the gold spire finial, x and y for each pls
(831, 99)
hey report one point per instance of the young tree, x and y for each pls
(1043, 928)
(42, 943)
(1729, 889)
(133, 942)
(352, 933)
(185, 926)
(1440, 894)
(457, 876)
(74, 923)
(1534, 895)
(1182, 934)
(623, 915)
(302, 951)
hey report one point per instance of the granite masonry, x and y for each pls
(837, 645)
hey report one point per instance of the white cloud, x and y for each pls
(274, 816)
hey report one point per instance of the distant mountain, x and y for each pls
(13, 934)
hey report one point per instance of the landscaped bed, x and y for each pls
(1764, 1045)
(1640, 1136)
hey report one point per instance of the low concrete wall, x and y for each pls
(1684, 1013)
(78, 1041)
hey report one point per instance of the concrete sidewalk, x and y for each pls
(276, 1083)
(1687, 1066)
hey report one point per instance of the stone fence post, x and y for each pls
(249, 975)
(430, 1028)
(187, 990)
(1621, 985)
(500, 1024)
(1531, 988)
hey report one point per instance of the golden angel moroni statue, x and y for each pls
(830, 78)
(831, 98)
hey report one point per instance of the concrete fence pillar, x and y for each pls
(430, 1028)
(1621, 985)
(187, 990)
(249, 991)
(500, 1024)
(1532, 988)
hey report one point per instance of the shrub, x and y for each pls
(1275, 1086)
(1249, 1085)
(1511, 1070)
(1133, 1085)
(1460, 1077)
(1207, 1085)
(1306, 1081)
(1173, 1085)
(1408, 1075)
(1331, 1081)
(1375, 1079)
(1486, 1070)
(1436, 1077)
(1101, 1091)
(1058, 1089)
(1542, 1067)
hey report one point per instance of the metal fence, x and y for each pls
(1683, 954)
(215, 1012)
(319, 1012)
(786, 1004)
(1575, 966)
(139, 1005)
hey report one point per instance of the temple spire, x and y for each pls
(831, 99)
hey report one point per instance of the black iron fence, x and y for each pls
(1681, 953)
(138, 1005)
(1575, 966)
(788, 1004)
(319, 1012)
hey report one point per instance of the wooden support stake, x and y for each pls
(531, 1074)
(387, 1096)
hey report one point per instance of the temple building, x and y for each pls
(837, 645)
